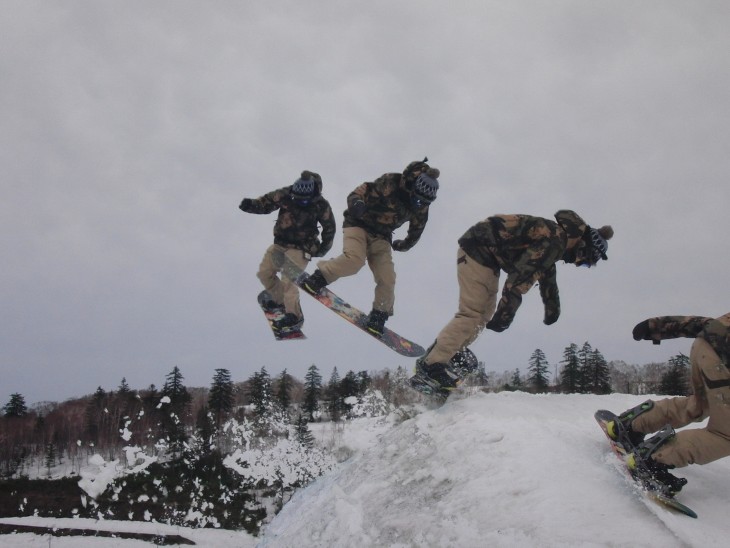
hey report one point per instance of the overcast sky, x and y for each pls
(131, 130)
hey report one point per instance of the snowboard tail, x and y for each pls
(272, 315)
(652, 490)
(391, 339)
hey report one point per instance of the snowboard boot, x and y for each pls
(314, 282)
(443, 375)
(376, 322)
(269, 304)
(654, 475)
(620, 429)
(289, 322)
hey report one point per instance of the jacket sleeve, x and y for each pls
(267, 203)
(415, 228)
(670, 327)
(549, 292)
(327, 221)
(530, 267)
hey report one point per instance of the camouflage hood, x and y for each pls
(573, 225)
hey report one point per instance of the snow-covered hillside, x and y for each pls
(507, 469)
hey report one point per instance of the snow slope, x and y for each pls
(507, 469)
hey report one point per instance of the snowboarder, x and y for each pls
(374, 211)
(296, 233)
(710, 383)
(526, 248)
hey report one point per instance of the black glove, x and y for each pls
(400, 245)
(358, 209)
(497, 325)
(245, 204)
(641, 331)
(551, 317)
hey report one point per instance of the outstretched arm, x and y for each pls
(669, 327)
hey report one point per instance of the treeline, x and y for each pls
(584, 370)
(104, 422)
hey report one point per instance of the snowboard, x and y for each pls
(464, 363)
(356, 317)
(288, 334)
(650, 489)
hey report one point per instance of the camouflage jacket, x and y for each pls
(715, 331)
(526, 248)
(296, 226)
(388, 207)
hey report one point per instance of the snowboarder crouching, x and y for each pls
(374, 211)
(526, 248)
(296, 234)
(710, 399)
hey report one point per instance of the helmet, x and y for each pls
(303, 188)
(426, 187)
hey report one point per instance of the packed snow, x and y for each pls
(485, 469)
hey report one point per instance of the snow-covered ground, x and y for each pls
(508, 469)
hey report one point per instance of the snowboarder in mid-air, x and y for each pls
(374, 211)
(710, 384)
(302, 209)
(527, 248)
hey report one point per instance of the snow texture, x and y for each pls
(507, 469)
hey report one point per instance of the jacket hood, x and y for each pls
(573, 225)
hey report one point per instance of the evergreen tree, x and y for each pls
(304, 436)
(570, 373)
(584, 368)
(674, 381)
(538, 371)
(312, 391)
(515, 382)
(283, 391)
(335, 404)
(221, 395)
(95, 416)
(363, 382)
(600, 379)
(16, 406)
(260, 393)
(50, 457)
(124, 391)
(176, 410)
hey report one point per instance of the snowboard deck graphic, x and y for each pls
(273, 315)
(356, 317)
(603, 417)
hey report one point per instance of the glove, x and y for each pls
(641, 331)
(358, 209)
(551, 317)
(497, 325)
(400, 245)
(245, 204)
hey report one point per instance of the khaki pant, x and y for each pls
(359, 247)
(694, 446)
(283, 291)
(478, 287)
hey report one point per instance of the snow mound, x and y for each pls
(507, 469)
